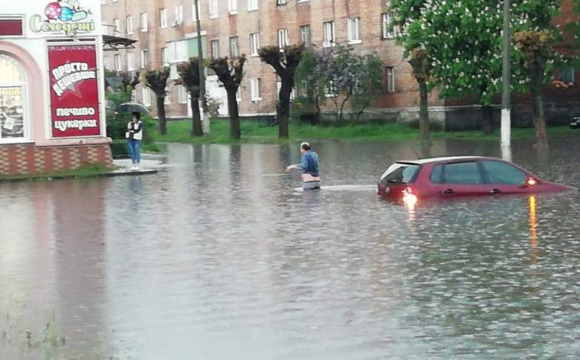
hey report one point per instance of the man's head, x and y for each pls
(304, 147)
(135, 116)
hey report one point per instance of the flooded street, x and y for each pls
(218, 257)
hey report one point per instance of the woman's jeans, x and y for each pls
(134, 151)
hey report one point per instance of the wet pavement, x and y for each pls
(218, 257)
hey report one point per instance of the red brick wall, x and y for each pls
(29, 158)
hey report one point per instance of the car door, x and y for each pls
(463, 179)
(504, 178)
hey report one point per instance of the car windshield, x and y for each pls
(400, 173)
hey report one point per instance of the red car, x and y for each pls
(460, 176)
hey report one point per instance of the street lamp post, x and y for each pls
(206, 124)
(506, 96)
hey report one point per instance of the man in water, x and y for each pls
(309, 167)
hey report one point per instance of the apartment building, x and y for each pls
(166, 34)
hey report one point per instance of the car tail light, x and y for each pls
(409, 198)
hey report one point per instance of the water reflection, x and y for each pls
(533, 228)
(212, 259)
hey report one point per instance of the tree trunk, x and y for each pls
(283, 109)
(196, 129)
(161, 115)
(538, 107)
(424, 112)
(487, 113)
(235, 129)
(341, 111)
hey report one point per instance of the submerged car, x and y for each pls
(460, 176)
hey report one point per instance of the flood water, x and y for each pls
(218, 257)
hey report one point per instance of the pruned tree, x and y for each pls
(231, 72)
(130, 81)
(189, 77)
(285, 62)
(408, 16)
(156, 80)
(421, 63)
(537, 53)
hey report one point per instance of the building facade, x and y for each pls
(51, 93)
(166, 34)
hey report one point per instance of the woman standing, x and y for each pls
(134, 136)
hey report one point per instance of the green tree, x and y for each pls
(156, 80)
(369, 84)
(285, 62)
(189, 77)
(311, 83)
(231, 72)
(409, 17)
(465, 49)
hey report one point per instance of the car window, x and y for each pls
(463, 173)
(437, 174)
(400, 174)
(504, 174)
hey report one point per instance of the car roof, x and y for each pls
(445, 160)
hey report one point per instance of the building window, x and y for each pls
(331, 90)
(107, 62)
(566, 74)
(144, 59)
(305, 35)
(234, 50)
(13, 112)
(118, 65)
(163, 18)
(215, 49)
(130, 62)
(129, 25)
(390, 77)
(182, 94)
(165, 56)
(328, 34)
(178, 15)
(281, 2)
(167, 100)
(194, 11)
(233, 6)
(252, 5)
(353, 27)
(117, 25)
(254, 44)
(178, 51)
(283, 40)
(239, 95)
(144, 22)
(387, 31)
(146, 94)
(256, 89)
(213, 9)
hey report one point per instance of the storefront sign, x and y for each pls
(64, 17)
(74, 91)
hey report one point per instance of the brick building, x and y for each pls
(166, 34)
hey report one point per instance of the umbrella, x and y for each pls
(131, 107)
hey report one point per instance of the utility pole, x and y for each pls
(506, 95)
(206, 124)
